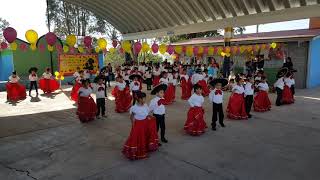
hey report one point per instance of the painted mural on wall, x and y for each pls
(68, 63)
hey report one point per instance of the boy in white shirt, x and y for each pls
(158, 109)
(135, 87)
(248, 94)
(279, 85)
(33, 78)
(99, 89)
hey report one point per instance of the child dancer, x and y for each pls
(122, 95)
(143, 137)
(87, 108)
(33, 78)
(15, 90)
(47, 84)
(170, 92)
(135, 86)
(76, 87)
(279, 85)
(148, 77)
(199, 79)
(158, 109)
(287, 96)
(185, 87)
(99, 89)
(216, 97)
(236, 107)
(195, 124)
(248, 94)
(261, 100)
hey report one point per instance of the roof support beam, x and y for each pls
(256, 5)
(182, 12)
(303, 2)
(271, 5)
(221, 10)
(189, 10)
(200, 9)
(172, 12)
(153, 6)
(230, 6)
(210, 11)
(286, 4)
(242, 6)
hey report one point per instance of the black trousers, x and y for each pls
(292, 90)
(107, 81)
(249, 102)
(101, 106)
(217, 110)
(149, 83)
(161, 124)
(33, 84)
(134, 94)
(279, 96)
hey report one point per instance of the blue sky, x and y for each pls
(30, 14)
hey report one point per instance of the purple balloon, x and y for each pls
(195, 50)
(155, 48)
(170, 49)
(10, 34)
(51, 38)
(137, 47)
(87, 41)
(4, 45)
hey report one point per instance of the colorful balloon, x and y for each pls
(273, 45)
(102, 43)
(137, 47)
(210, 51)
(31, 36)
(10, 34)
(71, 40)
(97, 49)
(178, 49)
(205, 50)
(162, 48)
(56, 73)
(65, 49)
(51, 38)
(170, 49)
(33, 47)
(189, 51)
(4, 45)
(13, 46)
(195, 50)
(80, 49)
(50, 48)
(126, 45)
(87, 41)
(145, 47)
(155, 48)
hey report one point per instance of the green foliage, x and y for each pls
(149, 57)
(115, 59)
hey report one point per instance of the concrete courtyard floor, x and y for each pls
(41, 138)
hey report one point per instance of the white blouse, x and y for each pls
(121, 86)
(134, 87)
(185, 76)
(156, 72)
(14, 79)
(139, 112)
(85, 92)
(279, 83)
(196, 100)
(248, 90)
(155, 108)
(238, 89)
(196, 78)
(218, 99)
(263, 86)
(164, 81)
(46, 75)
(289, 82)
(33, 77)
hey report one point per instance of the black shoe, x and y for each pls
(164, 140)
(214, 128)
(222, 125)
(249, 116)
(159, 144)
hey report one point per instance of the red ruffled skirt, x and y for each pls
(195, 124)
(287, 97)
(122, 99)
(169, 95)
(205, 88)
(143, 138)
(185, 89)
(262, 102)
(236, 107)
(87, 109)
(156, 80)
(48, 85)
(75, 92)
(15, 91)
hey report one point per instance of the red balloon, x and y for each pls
(10, 34)
(51, 38)
(4, 45)
(155, 48)
(114, 43)
(184, 49)
(137, 47)
(170, 49)
(205, 50)
(87, 41)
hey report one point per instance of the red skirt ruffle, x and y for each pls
(205, 88)
(48, 85)
(143, 138)
(262, 102)
(123, 99)
(15, 91)
(75, 92)
(169, 95)
(287, 97)
(236, 107)
(185, 89)
(195, 124)
(156, 80)
(87, 109)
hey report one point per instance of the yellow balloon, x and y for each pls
(200, 50)
(62, 78)
(227, 49)
(112, 50)
(228, 54)
(242, 49)
(71, 40)
(102, 43)
(222, 54)
(263, 46)
(80, 49)
(220, 49)
(273, 45)
(57, 78)
(50, 48)
(162, 48)
(56, 73)
(33, 47)
(189, 51)
(13, 46)
(97, 49)
(145, 47)
(126, 45)
(210, 51)
(178, 49)
(65, 49)
(31, 36)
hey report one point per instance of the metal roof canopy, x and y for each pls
(139, 19)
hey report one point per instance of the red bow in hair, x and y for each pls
(33, 75)
(100, 89)
(160, 102)
(136, 84)
(218, 92)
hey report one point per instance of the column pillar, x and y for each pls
(228, 33)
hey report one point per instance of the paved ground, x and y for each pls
(279, 145)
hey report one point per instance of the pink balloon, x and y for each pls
(10, 34)
(215, 50)
(42, 47)
(114, 43)
(51, 38)
(170, 49)
(4, 45)
(155, 48)
(137, 47)
(87, 41)
(195, 50)
(205, 50)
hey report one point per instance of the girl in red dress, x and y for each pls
(185, 87)
(122, 95)
(169, 94)
(236, 107)
(195, 124)
(143, 137)
(156, 76)
(47, 83)
(287, 96)
(261, 101)
(15, 90)
(76, 87)
(199, 78)
(87, 108)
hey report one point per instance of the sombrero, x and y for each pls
(133, 76)
(282, 72)
(223, 82)
(198, 70)
(158, 88)
(33, 69)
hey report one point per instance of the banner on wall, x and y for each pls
(68, 63)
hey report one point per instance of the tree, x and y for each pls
(115, 59)
(3, 24)
(172, 39)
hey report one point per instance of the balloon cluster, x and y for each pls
(59, 76)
